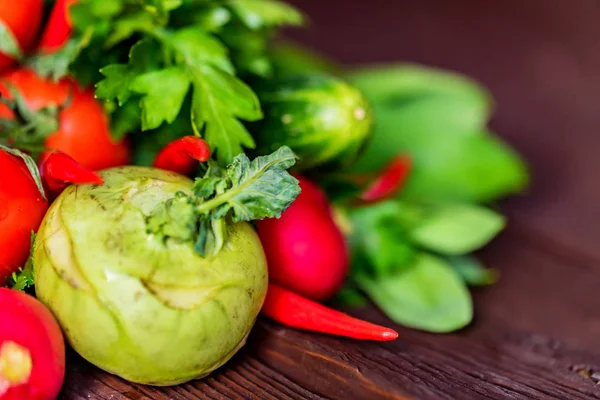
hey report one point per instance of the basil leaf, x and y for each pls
(428, 295)
(457, 229)
(377, 233)
(473, 272)
(8, 42)
(406, 81)
(31, 167)
(439, 119)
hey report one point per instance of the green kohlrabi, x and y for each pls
(156, 278)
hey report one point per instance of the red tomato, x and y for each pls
(23, 18)
(21, 211)
(32, 349)
(84, 131)
(306, 251)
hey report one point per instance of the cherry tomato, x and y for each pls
(84, 131)
(22, 208)
(23, 18)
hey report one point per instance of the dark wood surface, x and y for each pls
(537, 332)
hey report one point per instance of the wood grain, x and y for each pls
(536, 334)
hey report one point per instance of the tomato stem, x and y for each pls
(182, 155)
(296, 311)
(15, 365)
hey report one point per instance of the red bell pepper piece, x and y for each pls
(182, 155)
(58, 170)
(390, 180)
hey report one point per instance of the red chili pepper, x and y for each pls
(183, 154)
(390, 180)
(58, 28)
(296, 311)
(58, 170)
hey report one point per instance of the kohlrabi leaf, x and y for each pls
(245, 191)
(457, 229)
(427, 295)
(256, 189)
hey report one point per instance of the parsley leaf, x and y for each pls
(258, 14)
(164, 92)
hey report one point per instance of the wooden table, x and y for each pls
(536, 333)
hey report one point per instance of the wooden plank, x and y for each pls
(534, 336)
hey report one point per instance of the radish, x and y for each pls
(32, 350)
(306, 251)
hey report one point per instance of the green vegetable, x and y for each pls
(427, 295)
(119, 265)
(390, 242)
(289, 58)
(323, 119)
(472, 272)
(457, 229)
(439, 119)
(158, 54)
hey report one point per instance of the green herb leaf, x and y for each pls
(218, 100)
(24, 278)
(164, 92)
(245, 191)
(31, 167)
(291, 59)
(473, 272)
(256, 190)
(457, 229)
(428, 295)
(116, 83)
(212, 18)
(398, 82)
(29, 128)
(378, 233)
(439, 119)
(8, 42)
(56, 65)
(259, 14)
